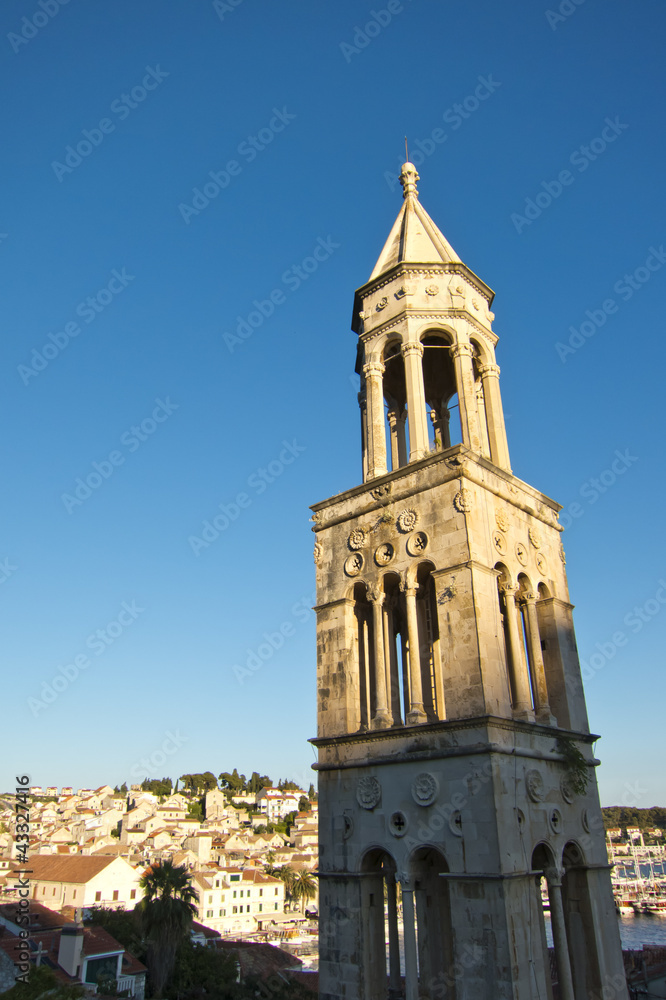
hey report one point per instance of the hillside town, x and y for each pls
(248, 852)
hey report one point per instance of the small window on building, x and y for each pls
(133, 894)
(98, 896)
(43, 890)
(209, 913)
(261, 907)
(235, 909)
(276, 906)
(115, 894)
(53, 893)
(276, 892)
(210, 899)
(261, 892)
(234, 893)
(217, 883)
(74, 894)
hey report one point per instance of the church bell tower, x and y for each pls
(456, 770)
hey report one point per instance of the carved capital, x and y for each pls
(462, 350)
(508, 589)
(493, 370)
(530, 597)
(376, 596)
(553, 875)
(406, 349)
(408, 589)
(373, 369)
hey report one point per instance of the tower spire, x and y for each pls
(408, 178)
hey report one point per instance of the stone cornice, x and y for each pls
(442, 315)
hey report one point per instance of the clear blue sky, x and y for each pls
(329, 107)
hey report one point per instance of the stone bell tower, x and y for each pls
(456, 770)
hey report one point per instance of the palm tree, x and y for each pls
(166, 913)
(287, 874)
(304, 887)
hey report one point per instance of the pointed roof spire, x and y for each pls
(414, 238)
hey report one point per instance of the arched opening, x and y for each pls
(434, 933)
(509, 633)
(479, 393)
(441, 392)
(364, 657)
(429, 647)
(395, 646)
(543, 860)
(395, 397)
(382, 927)
(527, 639)
(579, 921)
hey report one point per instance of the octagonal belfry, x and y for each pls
(456, 775)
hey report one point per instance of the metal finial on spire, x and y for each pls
(406, 150)
(408, 179)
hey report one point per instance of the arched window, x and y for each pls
(434, 932)
(382, 926)
(429, 649)
(363, 639)
(395, 396)
(441, 391)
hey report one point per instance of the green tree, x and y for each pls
(304, 887)
(312, 795)
(157, 786)
(201, 971)
(40, 981)
(166, 913)
(304, 804)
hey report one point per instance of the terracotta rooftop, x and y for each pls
(77, 868)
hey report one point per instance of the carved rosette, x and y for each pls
(382, 304)
(521, 553)
(463, 500)
(542, 565)
(384, 553)
(500, 542)
(567, 788)
(407, 520)
(425, 789)
(535, 786)
(356, 539)
(368, 793)
(354, 564)
(317, 553)
(432, 289)
(501, 519)
(534, 537)
(417, 543)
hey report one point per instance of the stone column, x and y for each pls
(520, 681)
(395, 447)
(382, 717)
(554, 880)
(416, 714)
(402, 439)
(483, 420)
(376, 434)
(418, 431)
(469, 417)
(409, 933)
(499, 449)
(362, 402)
(543, 712)
(395, 985)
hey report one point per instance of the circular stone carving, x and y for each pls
(521, 553)
(585, 820)
(500, 542)
(378, 492)
(542, 565)
(317, 553)
(455, 824)
(534, 785)
(354, 564)
(562, 555)
(425, 789)
(555, 820)
(398, 824)
(382, 304)
(407, 520)
(520, 817)
(356, 539)
(348, 827)
(462, 501)
(368, 793)
(501, 519)
(432, 289)
(384, 553)
(534, 537)
(417, 543)
(567, 788)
